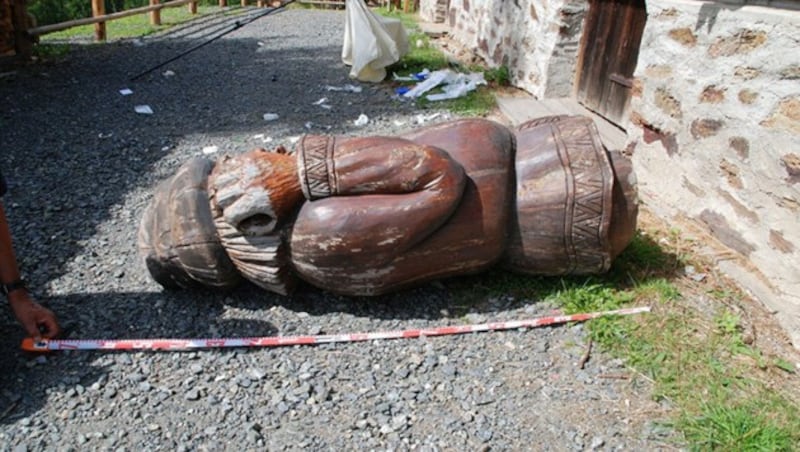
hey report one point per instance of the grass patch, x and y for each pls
(51, 51)
(740, 428)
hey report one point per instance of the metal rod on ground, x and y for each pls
(280, 341)
(235, 27)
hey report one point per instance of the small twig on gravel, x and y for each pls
(586, 355)
(8, 409)
(614, 376)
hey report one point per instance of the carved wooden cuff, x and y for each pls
(315, 166)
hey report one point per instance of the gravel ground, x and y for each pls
(81, 165)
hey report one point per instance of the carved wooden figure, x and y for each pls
(368, 215)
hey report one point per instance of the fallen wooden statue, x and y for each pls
(369, 215)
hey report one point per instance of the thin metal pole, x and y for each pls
(235, 26)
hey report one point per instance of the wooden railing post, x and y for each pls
(99, 9)
(155, 15)
(193, 8)
(223, 3)
(244, 3)
(23, 43)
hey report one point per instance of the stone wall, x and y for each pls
(537, 40)
(715, 135)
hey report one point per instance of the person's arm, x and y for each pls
(36, 320)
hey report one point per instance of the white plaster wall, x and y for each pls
(523, 35)
(427, 10)
(718, 98)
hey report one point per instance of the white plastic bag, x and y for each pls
(371, 42)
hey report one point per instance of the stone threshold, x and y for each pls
(521, 109)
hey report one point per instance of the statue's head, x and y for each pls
(256, 192)
(210, 224)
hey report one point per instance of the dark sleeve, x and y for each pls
(2, 184)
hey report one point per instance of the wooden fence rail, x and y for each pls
(24, 35)
(99, 17)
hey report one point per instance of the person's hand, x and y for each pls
(37, 320)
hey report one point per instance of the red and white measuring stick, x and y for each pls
(279, 341)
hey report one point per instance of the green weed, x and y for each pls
(741, 428)
(51, 51)
(499, 76)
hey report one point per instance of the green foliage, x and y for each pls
(49, 12)
(499, 76)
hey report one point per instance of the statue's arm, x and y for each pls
(371, 198)
(331, 166)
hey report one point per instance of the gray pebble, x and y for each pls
(192, 394)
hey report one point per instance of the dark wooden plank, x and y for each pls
(615, 54)
(610, 49)
(597, 72)
(587, 53)
(631, 55)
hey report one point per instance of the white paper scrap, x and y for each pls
(362, 120)
(210, 150)
(143, 109)
(126, 91)
(348, 87)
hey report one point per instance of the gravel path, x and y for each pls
(81, 166)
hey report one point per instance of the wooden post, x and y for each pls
(261, 3)
(244, 3)
(155, 15)
(223, 3)
(99, 9)
(193, 8)
(23, 43)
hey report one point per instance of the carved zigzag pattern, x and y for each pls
(588, 202)
(316, 161)
(539, 121)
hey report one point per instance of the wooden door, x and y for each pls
(609, 50)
